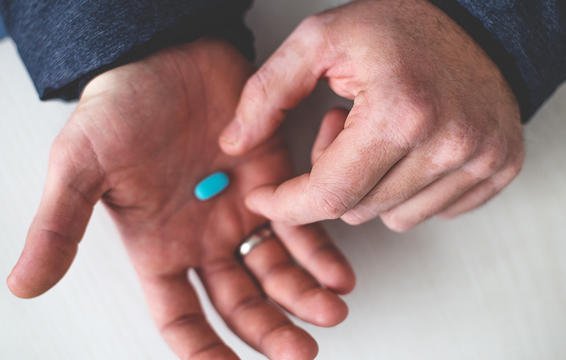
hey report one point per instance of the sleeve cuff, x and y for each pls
(65, 44)
(526, 42)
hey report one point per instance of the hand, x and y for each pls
(142, 136)
(434, 128)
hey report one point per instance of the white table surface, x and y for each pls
(491, 285)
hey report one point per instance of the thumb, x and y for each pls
(287, 77)
(74, 184)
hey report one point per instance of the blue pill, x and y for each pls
(211, 186)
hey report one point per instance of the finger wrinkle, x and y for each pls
(326, 247)
(276, 268)
(59, 237)
(246, 303)
(205, 349)
(309, 292)
(283, 325)
(182, 320)
(90, 201)
(220, 266)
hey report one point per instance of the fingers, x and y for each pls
(287, 77)
(481, 193)
(182, 323)
(314, 250)
(251, 316)
(74, 184)
(420, 168)
(418, 188)
(332, 125)
(431, 200)
(292, 287)
(347, 170)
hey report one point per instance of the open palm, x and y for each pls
(142, 136)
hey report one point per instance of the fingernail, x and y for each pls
(232, 134)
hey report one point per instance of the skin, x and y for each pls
(141, 138)
(434, 129)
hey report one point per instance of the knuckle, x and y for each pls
(63, 140)
(257, 86)
(58, 148)
(455, 148)
(355, 217)
(73, 154)
(416, 118)
(332, 204)
(514, 165)
(396, 222)
(312, 29)
(310, 40)
(62, 157)
(181, 321)
(461, 144)
(488, 163)
(517, 165)
(519, 157)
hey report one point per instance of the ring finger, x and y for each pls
(284, 281)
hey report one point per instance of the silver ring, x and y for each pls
(256, 238)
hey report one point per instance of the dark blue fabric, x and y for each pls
(64, 43)
(2, 30)
(525, 38)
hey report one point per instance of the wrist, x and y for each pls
(210, 56)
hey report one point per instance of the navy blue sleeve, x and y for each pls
(65, 43)
(526, 39)
(2, 30)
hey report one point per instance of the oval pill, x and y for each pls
(211, 186)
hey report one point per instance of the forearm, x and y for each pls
(66, 43)
(526, 39)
